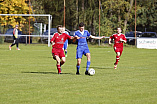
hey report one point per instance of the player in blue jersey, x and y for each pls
(82, 47)
(65, 43)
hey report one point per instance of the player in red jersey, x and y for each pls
(57, 41)
(119, 39)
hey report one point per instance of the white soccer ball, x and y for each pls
(91, 71)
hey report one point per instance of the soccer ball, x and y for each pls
(91, 71)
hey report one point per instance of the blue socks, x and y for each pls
(88, 64)
(78, 68)
(87, 67)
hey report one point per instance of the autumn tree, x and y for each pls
(14, 7)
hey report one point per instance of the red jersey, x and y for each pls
(59, 39)
(117, 42)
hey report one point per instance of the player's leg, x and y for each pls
(87, 54)
(12, 44)
(66, 52)
(55, 55)
(65, 47)
(117, 51)
(78, 66)
(62, 56)
(88, 63)
(17, 44)
(62, 61)
(58, 64)
(117, 60)
(117, 57)
(79, 54)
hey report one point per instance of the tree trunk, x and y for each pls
(83, 11)
(127, 17)
(77, 15)
(119, 18)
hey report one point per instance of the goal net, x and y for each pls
(31, 26)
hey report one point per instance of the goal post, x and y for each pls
(49, 21)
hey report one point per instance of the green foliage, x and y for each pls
(114, 13)
(13, 7)
(1, 40)
(147, 16)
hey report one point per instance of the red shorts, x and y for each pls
(58, 52)
(118, 49)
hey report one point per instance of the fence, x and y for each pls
(44, 39)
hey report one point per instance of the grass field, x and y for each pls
(29, 76)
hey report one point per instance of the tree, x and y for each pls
(127, 15)
(118, 12)
(147, 15)
(14, 7)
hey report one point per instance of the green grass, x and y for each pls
(29, 76)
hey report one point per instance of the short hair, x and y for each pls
(81, 24)
(59, 26)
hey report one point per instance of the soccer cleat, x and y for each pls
(115, 66)
(86, 73)
(9, 47)
(60, 73)
(17, 48)
(77, 73)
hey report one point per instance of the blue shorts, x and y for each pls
(81, 51)
(65, 46)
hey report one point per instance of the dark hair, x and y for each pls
(59, 26)
(81, 24)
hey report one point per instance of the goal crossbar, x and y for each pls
(49, 21)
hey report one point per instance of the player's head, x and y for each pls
(81, 26)
(60, 29)
(119, 30)
(63, 28)
(16, 26)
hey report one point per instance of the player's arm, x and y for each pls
(52, 43)
(94, 37)
(14, 33)
(109, 42)
(74, 38)
(123, 40)
(53, 39)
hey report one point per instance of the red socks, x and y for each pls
(117, 59)
(59, 69)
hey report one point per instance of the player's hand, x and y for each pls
(15, 36)
(109, 43)
(77, 37)
(121, 40)
(101, 37)
(52, 43)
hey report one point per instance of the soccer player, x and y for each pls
(15, 38)
(65, 46)
(57, 41)
(119, 39)
(82, 47)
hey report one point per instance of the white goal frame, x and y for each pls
(49, 21)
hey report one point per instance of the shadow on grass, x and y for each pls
(95, 67)
(46, 73)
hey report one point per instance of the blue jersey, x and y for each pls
(82, 41)
(66, 42)
(82, 46)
